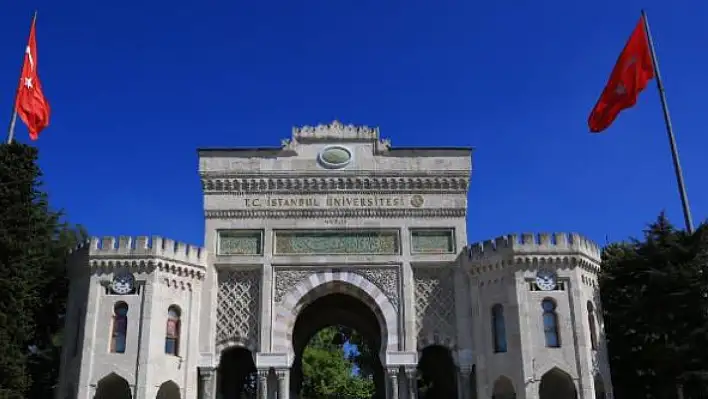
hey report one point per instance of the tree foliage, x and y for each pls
(328, 372)
(655, 305)
(34, 242)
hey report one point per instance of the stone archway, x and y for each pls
(323, 283)
(336, 310)
(113, 386)
(438, 373)
(236, 376)
(168, 390)
(503, 389)
(557, 384)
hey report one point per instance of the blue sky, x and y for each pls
(137, 87)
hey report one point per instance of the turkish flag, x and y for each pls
(633, 70)
(30, 103)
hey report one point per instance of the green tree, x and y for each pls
(327, 372)
(33, 243)
(654, 302)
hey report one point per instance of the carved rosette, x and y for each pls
(435, 305)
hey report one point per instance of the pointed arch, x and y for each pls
(557, 384)
(113, 386)
(318, 284)
(168, 390)
(503, 388)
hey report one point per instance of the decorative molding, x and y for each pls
(221, 183)
(335, 213)
(138, 265)
(387, 279)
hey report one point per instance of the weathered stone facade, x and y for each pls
(335, 210)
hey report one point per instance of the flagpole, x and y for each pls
(13, 118)
(669, 131)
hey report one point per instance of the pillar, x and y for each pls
(207, 376)
(393, 377)
(412, 382)
(263, 383)
(465, 372)
(283, 383)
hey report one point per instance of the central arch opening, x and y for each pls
(327, 335)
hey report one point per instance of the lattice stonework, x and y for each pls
(238, 309)
(435, 302)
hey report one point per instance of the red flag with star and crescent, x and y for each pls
(633, 70)
(30, 103)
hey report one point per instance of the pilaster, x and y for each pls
(393, 378)
(207, 376)
(412, 382)
(263, 383)
(283, 383)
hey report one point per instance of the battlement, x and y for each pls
(125, 246)
(543, 243)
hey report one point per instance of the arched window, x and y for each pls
(120, 327)
(172, 331)
(550, 323)
(498, 328)
(593, 326)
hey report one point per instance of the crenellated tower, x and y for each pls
(133, 306)
(539, 329)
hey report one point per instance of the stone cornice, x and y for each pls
(334, 213)
(451, 182)
(145, 265)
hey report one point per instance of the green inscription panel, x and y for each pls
(433, 241)
(336, 242)
(240, 243)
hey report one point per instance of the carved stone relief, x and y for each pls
(435, 303)
(385, 278)
(238, 309)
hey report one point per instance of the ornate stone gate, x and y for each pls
(336, 209)
(335, 226)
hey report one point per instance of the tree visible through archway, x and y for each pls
(337, 361)
(438, 377)
(325, 367)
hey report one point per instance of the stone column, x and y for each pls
(283, 383)
(465, 372)
(263, 384)
(393, 377)
(412, 382)
(207, 375)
